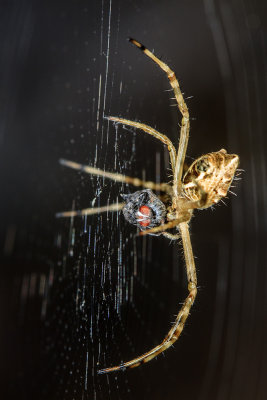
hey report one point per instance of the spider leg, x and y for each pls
(200, 203)
(151, 131)
(184, 132)
(171, 236)
(90, 211)
(116, 177)
(166, 226)
(181, 318)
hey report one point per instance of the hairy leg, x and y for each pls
(164, 227)
(91, 211)
(116, 177)
(171, 236)
(177, 328)
(184, 132)
(151, 131)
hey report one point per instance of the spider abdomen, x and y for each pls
(212, 174)
(144, 209)
(144, 215)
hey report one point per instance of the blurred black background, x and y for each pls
(83, 294)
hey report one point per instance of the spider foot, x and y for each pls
(120, 367)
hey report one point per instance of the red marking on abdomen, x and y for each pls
(145, 210)
(145, 223)
(144, 219)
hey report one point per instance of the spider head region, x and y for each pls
(144, 209)
(211, 173)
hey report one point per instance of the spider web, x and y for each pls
(86, 293)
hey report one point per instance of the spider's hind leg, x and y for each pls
(90, 211)
(178, 326)
(164, 187)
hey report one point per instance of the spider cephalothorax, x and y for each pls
(205, 183)
(213, 174)
(144, 209)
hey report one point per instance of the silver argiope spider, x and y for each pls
(204, 184)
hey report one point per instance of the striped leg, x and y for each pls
(164, 187)
(171, 236)
(181, 318)
(90, 211)
(184, 132)
(164, 227)
(150, 131)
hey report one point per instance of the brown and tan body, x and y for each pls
(204, 184)
(211, 173)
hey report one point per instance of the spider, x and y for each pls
(204, 184)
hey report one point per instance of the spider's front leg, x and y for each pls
(185, 123)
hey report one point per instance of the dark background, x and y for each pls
(83, 294)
